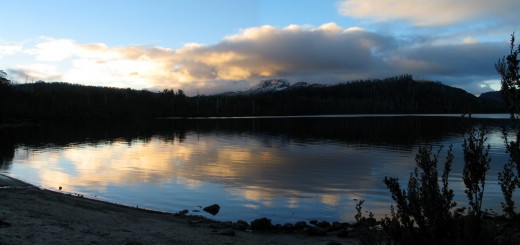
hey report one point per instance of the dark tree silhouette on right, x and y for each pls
(508, 68)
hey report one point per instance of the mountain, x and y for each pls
(492, 95)
(267, 86)
(36, 102)
(272, 85)
(400, 94)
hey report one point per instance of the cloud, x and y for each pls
(6, 49)
(469, 40)
(54, 49)
(452, 59)
(332, 54)
(95, 64)
(427, 12)
(325, 54)
(464, 65)
(37, 71)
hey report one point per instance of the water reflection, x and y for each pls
(6, 150)
(286, 169)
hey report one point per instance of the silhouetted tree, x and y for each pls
(3, 80)
(508, 68)
(63, 101)
(423, 213)
(476, 165)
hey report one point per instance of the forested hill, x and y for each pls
(62, 101)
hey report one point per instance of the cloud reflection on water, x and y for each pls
(244, 166)
(248, 172)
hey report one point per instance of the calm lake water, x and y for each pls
(287, 169)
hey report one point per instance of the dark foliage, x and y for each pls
(508, 67)
(42, 101)
(423, 214)
(5, 95)
(367, 227)
(476, 165)
(508, 180)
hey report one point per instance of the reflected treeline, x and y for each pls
(399, 132)
(402, 131)
(7, 147)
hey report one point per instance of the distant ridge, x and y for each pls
(401, 94)
(492, 95)
(43, 101)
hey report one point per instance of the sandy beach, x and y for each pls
(31, 215)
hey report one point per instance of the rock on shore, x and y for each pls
(31, 215)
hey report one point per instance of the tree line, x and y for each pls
(42, 101)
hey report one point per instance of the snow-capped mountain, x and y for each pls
(271, 85)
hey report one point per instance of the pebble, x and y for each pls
(300, 225)
(241, 225)
(261, 224)
(212, 209)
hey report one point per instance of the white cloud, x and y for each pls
(324, 54)
(6, 49)
(95, 64)
(54, 49)
(494, 84)
(428, 12)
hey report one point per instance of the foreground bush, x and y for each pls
(508, 67)
(425, 212)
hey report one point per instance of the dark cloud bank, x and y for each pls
(330, 54)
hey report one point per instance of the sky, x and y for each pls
(210, 46)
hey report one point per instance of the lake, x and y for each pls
(285, 168)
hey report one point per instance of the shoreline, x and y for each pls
(29, 214)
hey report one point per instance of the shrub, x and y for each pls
(423, 213)
(476, 165)
(508, 68)
(367, 227)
